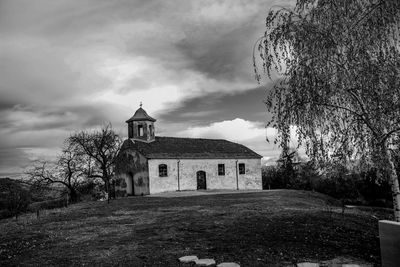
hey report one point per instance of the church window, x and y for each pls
(162, 170)
(140, 130)
(242, 168)
(221, 169)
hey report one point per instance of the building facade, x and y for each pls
(149, 164)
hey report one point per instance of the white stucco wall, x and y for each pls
(189, 167)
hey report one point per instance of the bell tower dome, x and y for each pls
(141, 126)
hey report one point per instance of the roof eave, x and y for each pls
(176, 157)
(145, 119)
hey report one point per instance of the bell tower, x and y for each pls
(141, 126)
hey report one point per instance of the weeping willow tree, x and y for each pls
(338, 63)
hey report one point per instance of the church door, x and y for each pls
(201, 180)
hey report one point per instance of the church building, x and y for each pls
(149, 164)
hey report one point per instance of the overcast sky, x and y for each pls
(70, 65)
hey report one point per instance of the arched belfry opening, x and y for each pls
(141, 126)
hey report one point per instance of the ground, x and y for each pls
(269, 228)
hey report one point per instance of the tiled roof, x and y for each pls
(141, 115)
(190, 148)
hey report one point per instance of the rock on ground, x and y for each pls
(228, 264)
(187, 259)
(205, 262)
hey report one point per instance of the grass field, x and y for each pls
(271, 228)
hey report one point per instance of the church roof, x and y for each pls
(141, 115)
(190, 148)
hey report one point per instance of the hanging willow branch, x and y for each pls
(339, 67)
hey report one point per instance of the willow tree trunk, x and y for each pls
(394, 182)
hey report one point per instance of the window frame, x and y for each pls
(162, 170)
(242, 168)
(221, 172)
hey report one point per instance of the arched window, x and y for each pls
(162, 170)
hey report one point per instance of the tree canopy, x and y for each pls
(101, 148)
(338, 64)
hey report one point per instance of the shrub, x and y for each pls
(340, 187)
(87, 187)
(5, 214)
(367, 188)
(375, 189)
(271, 178)
(14, 197)
(120, 193)
(303, 176)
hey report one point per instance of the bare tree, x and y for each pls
(339, 68)
(101, 147)
(69, 171)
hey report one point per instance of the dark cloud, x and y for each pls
(68, 117)
(65, 17)
(5, 105)
(222, 55)
(248, 105)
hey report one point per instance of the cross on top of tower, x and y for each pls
(141, 104)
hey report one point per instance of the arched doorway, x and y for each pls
(130, 185)
(201, 180)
